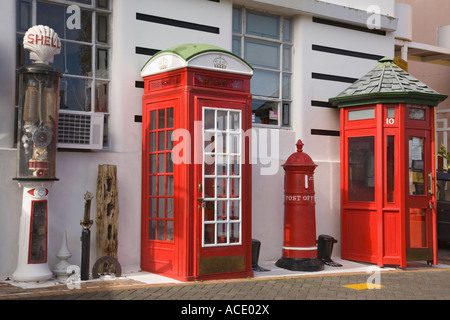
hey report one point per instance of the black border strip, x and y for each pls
(321, 132)
(330, 77)
(177, 23)
(348, 53)
(323, 104)
(146, 51)
(348, 26)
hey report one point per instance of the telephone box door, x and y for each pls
(419, 197)
(222, 204)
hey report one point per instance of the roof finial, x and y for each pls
(299, 145)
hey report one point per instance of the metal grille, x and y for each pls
(74, 128)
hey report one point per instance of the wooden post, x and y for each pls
(107, 211)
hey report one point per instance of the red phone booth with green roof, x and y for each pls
(388, 203)
(196, 172)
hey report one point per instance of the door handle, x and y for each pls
(430, 181)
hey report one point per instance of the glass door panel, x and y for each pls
(221, 179)
(419, 199)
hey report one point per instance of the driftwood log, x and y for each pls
(107, 211)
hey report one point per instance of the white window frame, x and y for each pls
(283, 103)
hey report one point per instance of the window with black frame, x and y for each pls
(84, 30)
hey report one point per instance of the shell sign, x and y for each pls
(43, 43)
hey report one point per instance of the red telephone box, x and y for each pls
(196, 174)
(388, 204)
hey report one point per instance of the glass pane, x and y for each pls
(169, 185)
(390, 168)
(221, 143)
(221, 187)
(161, 118)
(209, 166)
(160, 232)
(416, 114)
(222, 120)
(208, 120)
(286, 86)
(102, 63)
(169, 117)
(65, 24)
(169, 208)
(237, 20)
(153, 163)
(222, 164)
(169, 141)
(234, 210)
(162, 141)
(209, 211)
(153, 207)
(361, 114)
(152, 230)
(209, 234)
(262, 54)
(161, 207)
(169, 231)
(416, 166)
(102, 4)
(153, 141)
(75, 59)
(23, 15)
(75, 94)
(169, 163)
(161, 163)
(235, 232)
(287, 58)
(222, 213)
(153, 120)
(236, 46)
(265, 112)
(102, 28)
(361, 169)
(265, 83)
(161, 186)
(262, 25)
(222, 233)
(209, 188)
(287, 37)
(235, 188)
(101, 96)
(234, 166)
(153, 185)
(235, 123)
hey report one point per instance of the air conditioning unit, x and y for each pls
(80, 130)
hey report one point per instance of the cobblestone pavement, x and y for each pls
(428, 284)
(270, 298)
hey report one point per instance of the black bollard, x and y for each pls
(85, 246)
(86, 236)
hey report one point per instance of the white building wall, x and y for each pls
(77, 171)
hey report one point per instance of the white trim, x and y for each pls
(299, 248)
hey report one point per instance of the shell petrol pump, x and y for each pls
(36, 150)
(299, 246)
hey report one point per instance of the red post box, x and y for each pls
(299, 246)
